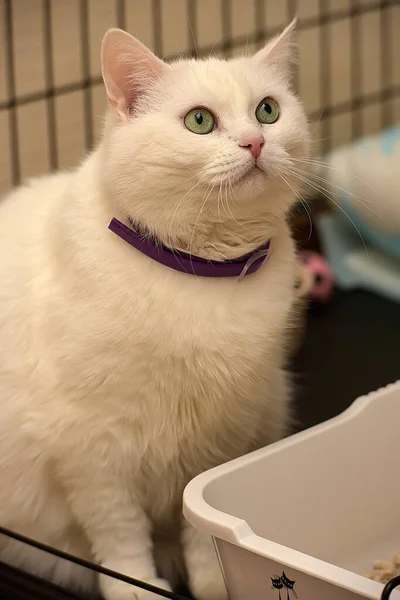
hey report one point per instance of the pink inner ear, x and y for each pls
(128, 69)
(280, 51)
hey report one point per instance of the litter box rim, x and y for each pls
(236, 531)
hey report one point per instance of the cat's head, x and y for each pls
(200, 152)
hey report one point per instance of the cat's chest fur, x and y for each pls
(156, 336)
(194, 379)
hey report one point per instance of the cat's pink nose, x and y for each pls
(254, 143)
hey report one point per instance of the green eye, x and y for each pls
(199, 120)
(267, 111)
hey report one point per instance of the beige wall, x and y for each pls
(29, 52)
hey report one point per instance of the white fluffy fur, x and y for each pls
(120, 379)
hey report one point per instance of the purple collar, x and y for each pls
(192, 265)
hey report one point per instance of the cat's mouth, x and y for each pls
(249, 174)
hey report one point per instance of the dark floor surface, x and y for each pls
(351, 348)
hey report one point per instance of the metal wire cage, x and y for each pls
(51, 93)
(389, 587)
(17, 584)
(52, 100)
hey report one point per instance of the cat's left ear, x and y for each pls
(128, 69)
(281, 51)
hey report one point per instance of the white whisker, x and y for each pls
(318, 178)
(322, 191)
(326, 165)
(303, 203)
(179, 203)
(207, 195)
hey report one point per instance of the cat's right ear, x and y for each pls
(128, 68)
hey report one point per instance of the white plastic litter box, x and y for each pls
(311, 513)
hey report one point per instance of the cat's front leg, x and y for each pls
(205, 577)
(105, 505)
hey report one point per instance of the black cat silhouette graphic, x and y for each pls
(277, 585)
(289, 585)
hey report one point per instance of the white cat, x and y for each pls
(122, 378)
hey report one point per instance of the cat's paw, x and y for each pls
(117, 590)
(209, 585)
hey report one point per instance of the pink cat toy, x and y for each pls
(317, 274)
